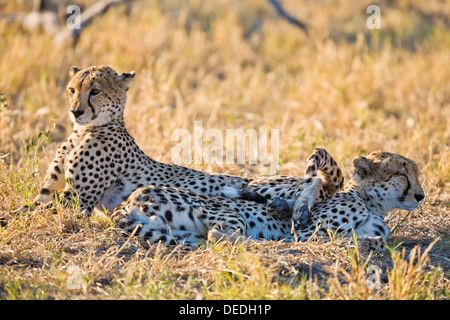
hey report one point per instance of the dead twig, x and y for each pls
(291, 19)
(87, 17)
(45, 16)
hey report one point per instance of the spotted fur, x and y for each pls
(100, 163)
(381, 182)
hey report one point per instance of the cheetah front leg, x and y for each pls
(372, 234)
(301, 212)
(81, 183)
(80, 189)
(54, 178)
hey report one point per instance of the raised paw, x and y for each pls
(280, 207)
(303, 215)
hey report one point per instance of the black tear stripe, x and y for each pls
(90, 105)
(405, 193)
(83, 77)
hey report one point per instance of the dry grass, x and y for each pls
(234, 64)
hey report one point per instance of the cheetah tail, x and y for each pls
(321, 163)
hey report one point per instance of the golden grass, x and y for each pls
(234, 64)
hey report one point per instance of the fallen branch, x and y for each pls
(87, 17)
(45, 16)
(291, 19)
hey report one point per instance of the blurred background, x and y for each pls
(238, 64)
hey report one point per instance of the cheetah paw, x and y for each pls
(280, 207)
(303, 215)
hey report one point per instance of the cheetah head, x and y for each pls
(97, 95)
(390, 180)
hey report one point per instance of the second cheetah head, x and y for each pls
(97, 95)
(389, 179)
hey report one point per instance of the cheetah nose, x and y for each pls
(77, 112)
(419, 196)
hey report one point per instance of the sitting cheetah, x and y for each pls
(381, 182)
(101, 163)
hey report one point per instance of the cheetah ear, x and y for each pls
(125, 79)
(73, 71)
(363, 166)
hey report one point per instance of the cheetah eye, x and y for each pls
(94, 92)
(72, 90)
(402, 175)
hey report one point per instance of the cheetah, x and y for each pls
(101, 164)
(381, 182)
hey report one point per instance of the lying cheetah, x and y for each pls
(101, 163)
(381, 182)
